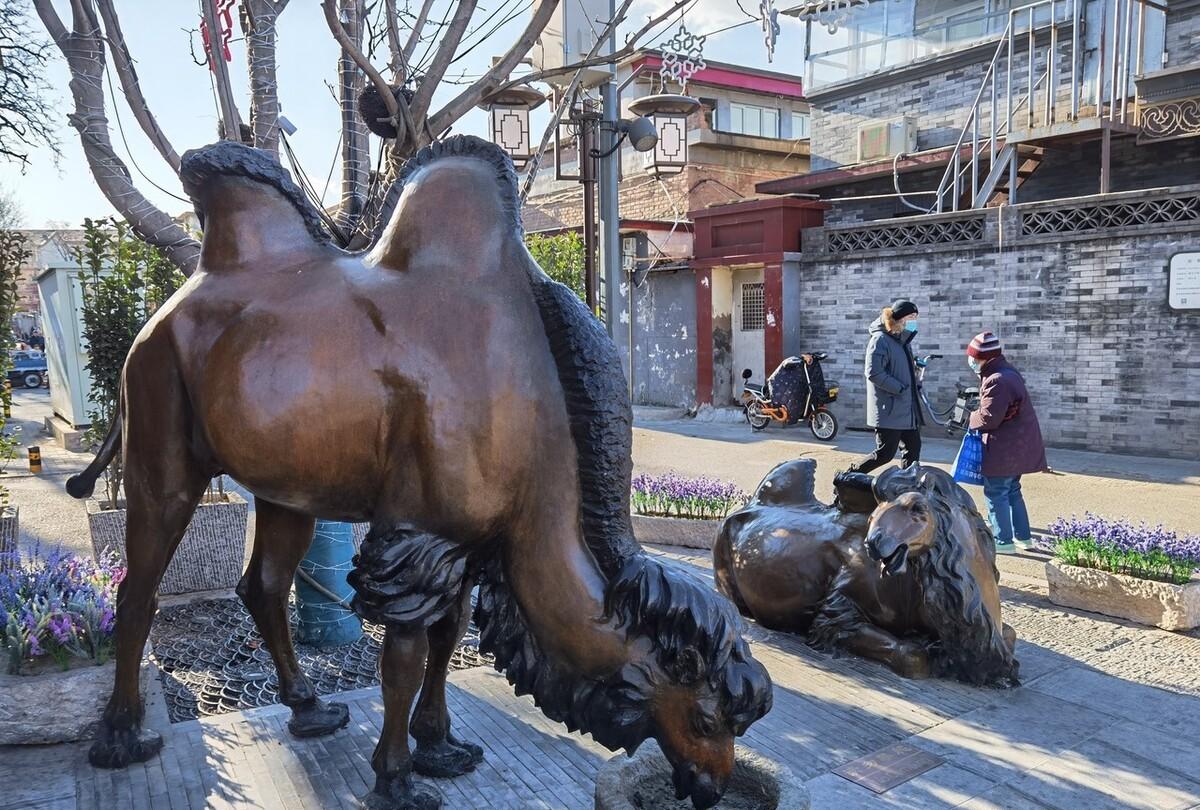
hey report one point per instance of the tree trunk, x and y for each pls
(356, 154)
(84, 51)
(259, 18)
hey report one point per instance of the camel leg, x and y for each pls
(281, 539)
(439, 753)
(906, 658)
(163, 485)
(402, 663)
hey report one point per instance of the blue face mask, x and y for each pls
(974, 364)
(910, 326)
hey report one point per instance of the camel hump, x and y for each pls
(791, 483)
(202, 169)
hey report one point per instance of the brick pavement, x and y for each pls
(1088, 728)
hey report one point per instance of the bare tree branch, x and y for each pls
(628, 49)
(26, 120)
(397, 108)
(414, 38)
(398, 64)
(259, 19)
(231, 119)
(83, 48)
(131, 87)
(447, 47)
(486, 85)
(356, 155)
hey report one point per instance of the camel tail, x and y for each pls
(84, 484)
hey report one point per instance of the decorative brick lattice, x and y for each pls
(1111, 215)
(915, 234)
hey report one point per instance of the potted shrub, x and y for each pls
(673, 510)
(1141, 573)
(124, 281)
(56, 640)
(13, 253)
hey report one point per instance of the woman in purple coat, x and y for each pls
(1012, 440)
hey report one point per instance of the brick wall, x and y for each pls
(1084, 316)
(646, 198)
(1183, 34)
(938, 93)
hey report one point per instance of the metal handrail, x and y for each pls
(1120, 28)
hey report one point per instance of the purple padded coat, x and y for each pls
(1012, 438)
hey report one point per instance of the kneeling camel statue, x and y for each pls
(443, 388)
(901, 570)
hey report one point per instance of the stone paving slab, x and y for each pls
(1077, 734)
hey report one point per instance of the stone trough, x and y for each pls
(643, 782)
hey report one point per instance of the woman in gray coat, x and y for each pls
(893, 405)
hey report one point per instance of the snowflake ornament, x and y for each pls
(769, 17)
(683, 57)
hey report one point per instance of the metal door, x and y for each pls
(749, 328)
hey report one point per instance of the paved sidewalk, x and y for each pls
(1155, 490)
(1089, 728)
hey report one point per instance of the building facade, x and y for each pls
(1036, 174)
(752, 127)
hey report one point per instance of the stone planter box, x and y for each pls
(55, 706)
(210, 557)
(1160, 604)
(644, 780)
(667, 531)
(10, 533)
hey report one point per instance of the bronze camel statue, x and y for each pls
(443, 388)
(901, 570)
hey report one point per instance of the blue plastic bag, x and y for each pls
(968, 464)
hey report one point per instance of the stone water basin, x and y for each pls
(643, 782)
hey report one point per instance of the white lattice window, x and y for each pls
(754, 315)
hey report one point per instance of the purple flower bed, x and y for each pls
(1143, 551)
(672, 495)
(57, 608)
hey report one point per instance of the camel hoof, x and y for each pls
(316, 718)
(475, 750)
(446, 759)
(118, 748)
(403, 793)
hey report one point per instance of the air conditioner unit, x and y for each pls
(885, 139)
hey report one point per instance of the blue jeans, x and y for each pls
(1006, 509)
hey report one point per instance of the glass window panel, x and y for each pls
(770, 123)
(799, 125)
(753, 119)
(737, 122)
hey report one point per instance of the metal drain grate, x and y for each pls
(213, 661)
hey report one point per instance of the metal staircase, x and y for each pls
(1043, 87)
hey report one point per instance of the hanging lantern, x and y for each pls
(670, 116)
(509, 114)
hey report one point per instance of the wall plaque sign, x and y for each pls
(1183, 287)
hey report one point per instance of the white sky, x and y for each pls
(180, 95)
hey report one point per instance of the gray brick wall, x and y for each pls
(941, 102)
(1183, 34)
(1084, 317)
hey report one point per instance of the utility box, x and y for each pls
(62, 325)
(569, 37)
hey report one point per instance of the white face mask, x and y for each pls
(974, 364)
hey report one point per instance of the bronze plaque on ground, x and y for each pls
(889, 767)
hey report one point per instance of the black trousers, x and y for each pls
(887, 441)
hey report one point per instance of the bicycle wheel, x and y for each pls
(824, 425)
(755, 416)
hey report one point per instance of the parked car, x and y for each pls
(29, 369)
